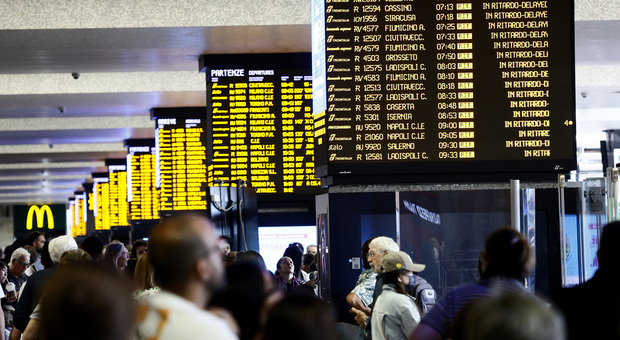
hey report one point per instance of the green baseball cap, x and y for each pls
(400, 260)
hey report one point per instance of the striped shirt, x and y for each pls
(441, 317)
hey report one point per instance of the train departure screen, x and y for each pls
(262, 126)
(119, 208)
(141, 182)
(101, 201)
(415, 86)
(79, 217)
(182, 168)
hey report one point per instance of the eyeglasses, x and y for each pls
(372, 253)
(25, 264)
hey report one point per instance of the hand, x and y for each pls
(360, 317)
(312, 283)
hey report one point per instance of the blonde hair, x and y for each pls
(145, 275)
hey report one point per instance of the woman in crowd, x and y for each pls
(145, 277)
(286, 281)
(395, 313)
(116, 255)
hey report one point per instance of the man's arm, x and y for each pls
(424, 332)
(354, 301)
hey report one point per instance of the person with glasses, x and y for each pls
(20, 260)
(364, 294)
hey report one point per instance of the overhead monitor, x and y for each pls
(79, 215)
(259, 111)
(119, 209)
(101, 200)
(181, 174)
(437, 87)
(142, 194)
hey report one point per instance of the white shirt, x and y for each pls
(166, 316)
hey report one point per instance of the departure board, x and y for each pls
(71, 223)
(89, 208)
(101, 200)
(260, 116)
(119, 207)
(79, 224)
(142, 193)
(181, 158)
(443, 86)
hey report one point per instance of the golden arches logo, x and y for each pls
(40, 212)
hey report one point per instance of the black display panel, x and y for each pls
(260, 115)
(142, 193)
(181, 158)
(419, 87)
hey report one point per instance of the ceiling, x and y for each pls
(136, 55)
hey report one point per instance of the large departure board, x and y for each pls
(181, 158)
(101, 200)
(443, 86)
(119, 207)
(142, 193)
(260, 116)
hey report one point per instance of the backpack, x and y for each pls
(423, 293)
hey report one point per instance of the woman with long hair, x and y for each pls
(116, 255)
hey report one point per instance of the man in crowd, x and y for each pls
(37, 240)
(184, 252)
(311, 249)
(20, 260)
(33, 288)
(365, 293)
(94, 247)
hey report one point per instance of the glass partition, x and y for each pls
(445, 230)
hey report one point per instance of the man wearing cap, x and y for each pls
(395, 313)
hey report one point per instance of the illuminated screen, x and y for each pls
(443, 86)
(273, 241)
(181, 158)
(119, 208)
(101, 200)
(142, 193)
(78, 209)
(260, 116)
(72, 217)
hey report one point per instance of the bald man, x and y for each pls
(185, 254)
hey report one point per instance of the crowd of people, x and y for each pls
(178, 285)
(497, 307)
(185, 284)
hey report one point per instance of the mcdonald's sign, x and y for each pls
(48, 218)
(40, 213)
